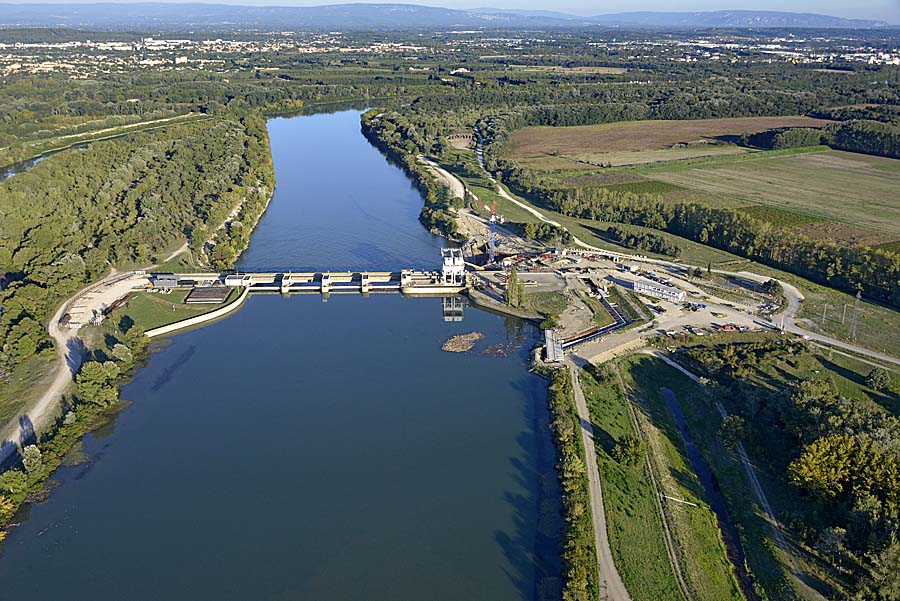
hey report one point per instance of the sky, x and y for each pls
(888, 10)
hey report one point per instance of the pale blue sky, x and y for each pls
(888, 10)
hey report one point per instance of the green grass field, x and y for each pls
(549, 304)
(698, 541)
(633, 522)
(154, 310)
(852, 188)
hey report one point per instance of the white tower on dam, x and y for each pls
(453, 268)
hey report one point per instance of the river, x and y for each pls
(303, 449)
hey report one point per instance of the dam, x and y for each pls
(451, 279)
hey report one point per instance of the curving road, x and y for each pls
(69, 350)
(793, 296)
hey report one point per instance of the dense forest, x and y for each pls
(842, 455)
(120, 203)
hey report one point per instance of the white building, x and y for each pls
(453, 268)
(660, 291)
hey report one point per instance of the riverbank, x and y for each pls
(479, 299)
(197, 320)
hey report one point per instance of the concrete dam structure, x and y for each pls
(451, 279)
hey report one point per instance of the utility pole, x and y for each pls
(844, 314)
(824, 310)
(855, 319)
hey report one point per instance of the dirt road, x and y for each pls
(610, 581)
(457, 189)
(91, 299)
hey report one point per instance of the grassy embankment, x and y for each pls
(155, 310)
(634, 522)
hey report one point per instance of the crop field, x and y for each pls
(630, 157)
(639, 135)
(860, 190)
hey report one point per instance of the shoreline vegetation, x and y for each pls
(117, 349)
(579, 556)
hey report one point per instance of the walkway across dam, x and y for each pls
(451, 279)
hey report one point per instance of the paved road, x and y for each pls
(610, 581)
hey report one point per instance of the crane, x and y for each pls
(493, 224)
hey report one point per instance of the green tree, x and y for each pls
(96, 382)
(630, 450)
(515, 290)
(13, 482)
(734, 429)
(32, 459)
(878, 379)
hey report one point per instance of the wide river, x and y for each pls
(310, 450)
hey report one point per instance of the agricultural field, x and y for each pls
(630, 157)
(861, 191)
(633, 136)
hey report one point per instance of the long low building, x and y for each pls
(660, 291)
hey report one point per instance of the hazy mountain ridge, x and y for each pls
(151, 16)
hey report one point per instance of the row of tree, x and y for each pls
(873, 271)
(578, 551)
(646, 241)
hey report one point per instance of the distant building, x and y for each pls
(660, 291)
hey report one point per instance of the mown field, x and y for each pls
(861, 191)
(629, 157)
(640, 135)
(154, 310)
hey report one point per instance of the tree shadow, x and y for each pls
(601, 437)
(75, 351)
(27, 434)
(531, 546)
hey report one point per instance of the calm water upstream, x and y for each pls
(303, 449)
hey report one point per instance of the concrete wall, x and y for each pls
(199, 319)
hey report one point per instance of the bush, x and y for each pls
(878, 379)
